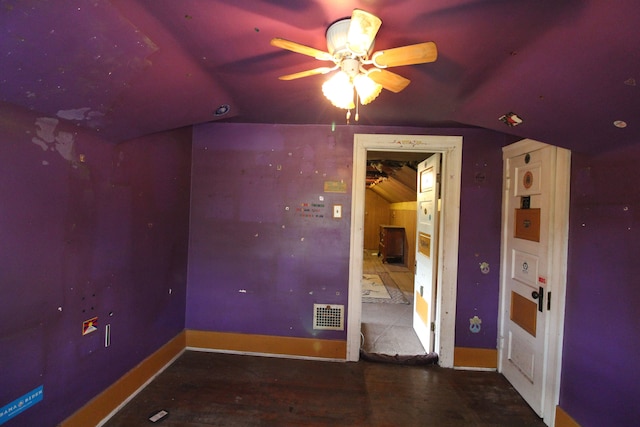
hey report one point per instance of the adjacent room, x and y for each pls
(313, 202)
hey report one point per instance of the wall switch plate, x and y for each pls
(107, 335)
(337, 211)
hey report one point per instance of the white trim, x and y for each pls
(558, 245)
(451, 149)
(473, 368)
(560, 249)
(261, 354)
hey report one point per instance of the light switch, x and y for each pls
(337, 211)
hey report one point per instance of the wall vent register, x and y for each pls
(328, 317)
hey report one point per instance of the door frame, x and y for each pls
(557, 275)
(451, 149)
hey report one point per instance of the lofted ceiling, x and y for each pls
(393, 175)
(127, 68)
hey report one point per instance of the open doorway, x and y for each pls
(451, 149)
(389, 255)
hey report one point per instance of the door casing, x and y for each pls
(451, 149)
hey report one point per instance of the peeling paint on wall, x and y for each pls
(48, 139)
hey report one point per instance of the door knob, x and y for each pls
(539, 295)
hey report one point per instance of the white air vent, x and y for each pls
(328, 317)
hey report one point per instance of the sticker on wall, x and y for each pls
(21, 404)
(527, 180)
(311, 210)
(335, 187)
(475, 324)
(90, 325)
(484, 267)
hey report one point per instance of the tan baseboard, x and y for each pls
(563, 419)
(110, 399)
(267, 344)
(115, 395)
(475, 357)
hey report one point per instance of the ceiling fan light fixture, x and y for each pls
(362, 74)
(367, 89)
(337, 36)
(362, 31)
(339, 90)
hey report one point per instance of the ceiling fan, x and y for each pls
(361, 74)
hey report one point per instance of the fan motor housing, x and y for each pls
(350, 66)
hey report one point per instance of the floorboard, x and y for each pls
(212, 389)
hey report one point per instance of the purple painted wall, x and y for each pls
(263, 246)
(256, 265)
(600, 373)
(480, 222)
(88, 228)
(106, 234)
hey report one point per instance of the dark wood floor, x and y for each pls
(212, 389)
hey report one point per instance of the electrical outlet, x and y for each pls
(337, 211)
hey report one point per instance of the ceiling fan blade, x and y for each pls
(388, 80)
(321, 70)
(362, 31)
(300, 48)
(406, 55)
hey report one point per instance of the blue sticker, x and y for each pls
(21, 404)
(475, 324)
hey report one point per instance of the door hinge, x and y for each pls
(433, 326)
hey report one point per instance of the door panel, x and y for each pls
(526, 258)
(428, 187)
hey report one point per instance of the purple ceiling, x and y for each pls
(127, 68)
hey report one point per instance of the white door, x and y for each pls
(428, 189)
(531, 279)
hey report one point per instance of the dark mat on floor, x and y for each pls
(419, 359)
